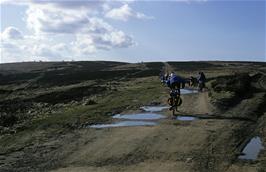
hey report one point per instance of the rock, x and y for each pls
(89, 102)
(188, 160)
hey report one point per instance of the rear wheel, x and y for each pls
(201, 86)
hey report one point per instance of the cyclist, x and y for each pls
(193, 81)
(201, 80)
(175, 82)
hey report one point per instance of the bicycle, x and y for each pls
(201, 86)
(175, 100)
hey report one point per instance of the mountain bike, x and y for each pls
(201, 86)
(175, 100)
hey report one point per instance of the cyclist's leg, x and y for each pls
(171, 99)
(178, 86)
(173, 110)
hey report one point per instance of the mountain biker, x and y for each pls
(175, 82)
(193, 81)
(201, 80)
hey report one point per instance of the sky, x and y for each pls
(133, 31)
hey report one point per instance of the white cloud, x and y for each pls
(124, 13)
(58, 3)
(81, 20)
(98, 35)
(13, 52)
(29, 48)
(91, 33)
(43, 50)
(84, 45)
(49, 20)
(11, 33)
(101, 35)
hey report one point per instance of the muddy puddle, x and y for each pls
(140, 116)
(186, 118)
(124, 124)
(252, 149)
(188, 91)
(136, 119)
(154, 108)
(139, 119)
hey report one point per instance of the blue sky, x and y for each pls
(133, 31)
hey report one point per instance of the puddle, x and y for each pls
(140, 116)
(153, 108)
(134, 120)
(124, 124)
(252, 149)
(188, 91)
(186, 118)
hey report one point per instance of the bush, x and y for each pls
(227, 91)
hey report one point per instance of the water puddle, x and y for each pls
(124, 124)
(139, 116)
(188, 91)
(252, 149)
(154, 108)
(186, 118)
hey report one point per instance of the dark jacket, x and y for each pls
(175, 79)
(202, 78)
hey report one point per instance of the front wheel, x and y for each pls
(175, 101)
(178, 101)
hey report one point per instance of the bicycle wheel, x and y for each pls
(178, 101)
(170, 101)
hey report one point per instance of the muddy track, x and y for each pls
(213, 144)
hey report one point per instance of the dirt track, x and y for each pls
(201, 145)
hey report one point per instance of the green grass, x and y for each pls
(133, 95)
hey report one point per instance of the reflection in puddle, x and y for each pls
(252, 149)
(140, 116)
(186, 118)
(154, 108)
(124, 124)
(188, 91)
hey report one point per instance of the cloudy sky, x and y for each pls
(133, 31)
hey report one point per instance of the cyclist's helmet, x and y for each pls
(172, 74)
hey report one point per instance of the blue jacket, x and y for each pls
(175, 79)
